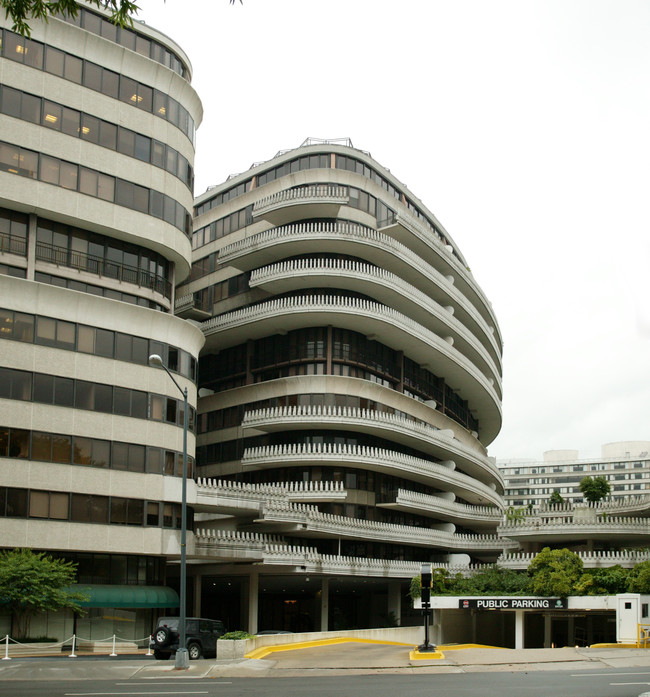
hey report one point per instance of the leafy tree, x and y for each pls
(496, 580)
(607, 581)
(33, 582)
(594, 488)
(555, 498)
(440, 580)
(555, 572)
(515, 514)
(23, 11)
(638, 580)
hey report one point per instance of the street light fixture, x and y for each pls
(182, 656)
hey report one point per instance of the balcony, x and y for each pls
(233, 498)
(12, 244)
(308, 521)
(228, 545)
(572, 529)
(373, 459)
(424, 242)
(98, 266)
(436, 507)
(381, 285)
(190, 307)
(274, 245)
(318, 201)
(384, 324)
(436, 442)
(591, 560)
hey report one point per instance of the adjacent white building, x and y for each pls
(625, 464)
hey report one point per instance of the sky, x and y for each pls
(523, 125)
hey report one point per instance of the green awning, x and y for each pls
(128, 596)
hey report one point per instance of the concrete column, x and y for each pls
(197, 595)
(519, 629)
(547, 631)
(474, 623)
(571, 631)
(395, 600)
(324, 604)
(253, 590)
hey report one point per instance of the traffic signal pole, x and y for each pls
(426, 583)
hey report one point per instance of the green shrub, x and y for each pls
(239, 634)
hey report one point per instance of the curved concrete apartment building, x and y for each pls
(96, 173)
(349, 385)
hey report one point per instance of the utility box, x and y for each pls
(631, 611)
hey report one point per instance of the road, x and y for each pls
(565, 683)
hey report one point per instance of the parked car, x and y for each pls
(200, 637)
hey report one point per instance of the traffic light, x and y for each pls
(426, 583)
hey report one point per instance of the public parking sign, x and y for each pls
(512, 603)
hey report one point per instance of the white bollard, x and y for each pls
(6, 658)
(113, 654)
(74, 641)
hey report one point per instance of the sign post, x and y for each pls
(426, 583)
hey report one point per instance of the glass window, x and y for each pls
(107, 135)
(142, 148)
(59, 503)
(63, 392)
(101, 453)
(73, 68)
(103, 398)
(39, 504)
(70, 122)
(41, 446)
(43, 388)
(138, 404)
(61, 448)
(16, 503)
(90, 128)
(54, 60)
(122, 401)
(31, 108)
(128, 90)
(93, 76)
(110, 83)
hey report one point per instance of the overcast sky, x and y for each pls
(523, 125)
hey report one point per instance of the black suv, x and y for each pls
(200, 634)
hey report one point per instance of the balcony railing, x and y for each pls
(61, 256)
(306, 194)
(352, 233)
(12, 244)
(433, 439)
(375, 459)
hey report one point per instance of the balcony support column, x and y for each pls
(324, 604)
(253, 593)
(519, 629)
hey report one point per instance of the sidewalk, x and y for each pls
(349, 658)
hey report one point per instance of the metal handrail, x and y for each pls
(102, 267)
(12, 244)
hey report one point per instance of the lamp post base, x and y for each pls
(182, 661)
(427, 648)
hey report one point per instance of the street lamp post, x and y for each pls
(182, 657)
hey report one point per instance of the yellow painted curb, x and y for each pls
(617, 646)
(266, 650)
(416, 655)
